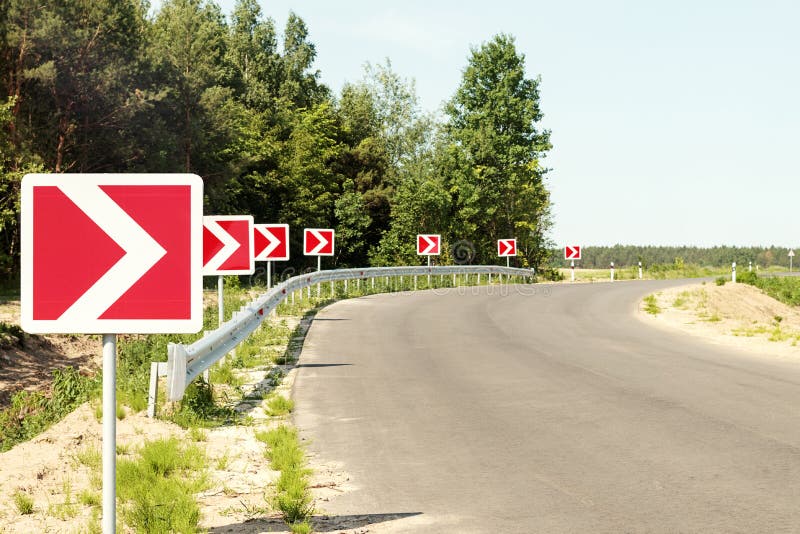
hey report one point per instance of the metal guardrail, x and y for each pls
(187, 362)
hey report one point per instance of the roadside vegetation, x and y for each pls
(651, 305)
(292, 495)
(783, 288)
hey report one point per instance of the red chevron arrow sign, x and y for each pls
(572, 253)
(271, 242)
(228, 245)
(318, 242)
(111, 253)
(429, 244)
(506, 247)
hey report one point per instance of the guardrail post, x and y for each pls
(415, 282)
(345, 286)
(152, 395)
(372, 282)
(176, 371)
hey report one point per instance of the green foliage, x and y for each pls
(156, 490)
(292, 495)
(494, 147)
(23, 502)
(11, 335)
(651, 305)
(784, 289)
(91, 457)
(721, 280)
(279, 405)
(32, 412)
(89, 498)
(672, 258)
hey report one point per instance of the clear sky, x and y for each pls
(673, 122)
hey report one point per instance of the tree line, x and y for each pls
(113, 86)
(629, 255)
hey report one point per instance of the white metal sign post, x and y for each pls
(109, 254)
(612, 271)
(640, 270)
(791, 256)
(733, 272)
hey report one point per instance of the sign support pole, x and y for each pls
(572, 269)
(319, 268)
(109, 433)
(508, 261)
(429, 272)
(220, 301)
(269, 275)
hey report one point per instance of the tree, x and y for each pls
(493, 152)
(188, 50)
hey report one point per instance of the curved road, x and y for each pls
(546, 409)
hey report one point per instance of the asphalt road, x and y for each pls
(546, 410)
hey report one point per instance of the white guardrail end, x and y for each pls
(186, 362)
(176, 371)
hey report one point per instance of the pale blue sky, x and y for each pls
(673, 122)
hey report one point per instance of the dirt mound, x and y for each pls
(738, 315)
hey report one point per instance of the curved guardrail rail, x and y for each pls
(187, 362)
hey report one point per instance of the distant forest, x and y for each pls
(628, 255)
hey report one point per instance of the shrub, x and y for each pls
(721, 281)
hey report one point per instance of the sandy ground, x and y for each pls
(735, 315)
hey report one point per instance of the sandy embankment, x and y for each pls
(736, 315)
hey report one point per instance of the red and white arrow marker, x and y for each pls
(271, 242)
(318, 241)
(506, 247)
(429, 244)
(111, 253)
(572, 252)
(228, 245)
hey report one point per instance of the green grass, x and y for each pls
(65, 510)
(279, 405)
(89, 498)
(23, 502)
(30, 413)
(786, 289)
(292, 495)
(651, 305)
(157, 489)
(198, 434)
(91, 457)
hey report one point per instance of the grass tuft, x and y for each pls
(23, 502)
(292, 495)
(651, 305)
(157, 488)
(279, 405)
